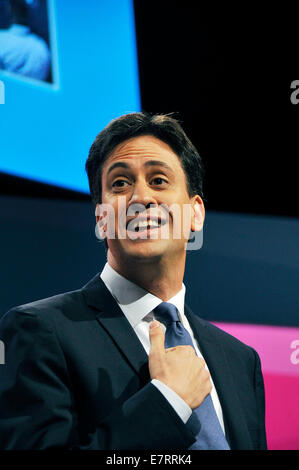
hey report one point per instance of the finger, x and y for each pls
(157, 338)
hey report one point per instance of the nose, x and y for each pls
(142, 196)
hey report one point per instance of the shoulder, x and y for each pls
(47, 310)
(233, 347)
(225, 337)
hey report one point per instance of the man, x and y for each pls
(123, 363)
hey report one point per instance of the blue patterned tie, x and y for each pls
(210, 436)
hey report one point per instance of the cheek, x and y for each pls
(181, 216)
(115, 216)
(180, 208)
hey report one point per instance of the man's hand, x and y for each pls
(179, 368)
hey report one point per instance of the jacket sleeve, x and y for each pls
(260, 399)
(37, 406)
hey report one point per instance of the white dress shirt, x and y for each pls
(137, 305)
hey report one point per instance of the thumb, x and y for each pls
(157, 337)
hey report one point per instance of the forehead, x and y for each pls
(139, 149)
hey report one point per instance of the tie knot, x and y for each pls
(167, 312)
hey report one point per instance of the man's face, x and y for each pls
(143, 174)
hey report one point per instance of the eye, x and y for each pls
(119, 183)
(158, 181)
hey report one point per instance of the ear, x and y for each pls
(198, 214)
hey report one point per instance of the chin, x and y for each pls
(141, 250)
(146, 252)
(155, 252)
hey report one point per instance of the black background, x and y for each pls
(227, 72)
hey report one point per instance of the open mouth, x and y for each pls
(142, 225)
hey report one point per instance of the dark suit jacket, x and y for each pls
(76, 376)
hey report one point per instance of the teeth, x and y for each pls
(144, 223)
(154, 223)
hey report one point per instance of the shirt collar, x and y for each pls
(135, 302)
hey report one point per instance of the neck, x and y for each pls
(161, 279)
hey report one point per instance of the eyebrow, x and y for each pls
(117, 165)
(146, 164)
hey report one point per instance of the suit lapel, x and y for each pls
(214, 354)
(113, 320)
